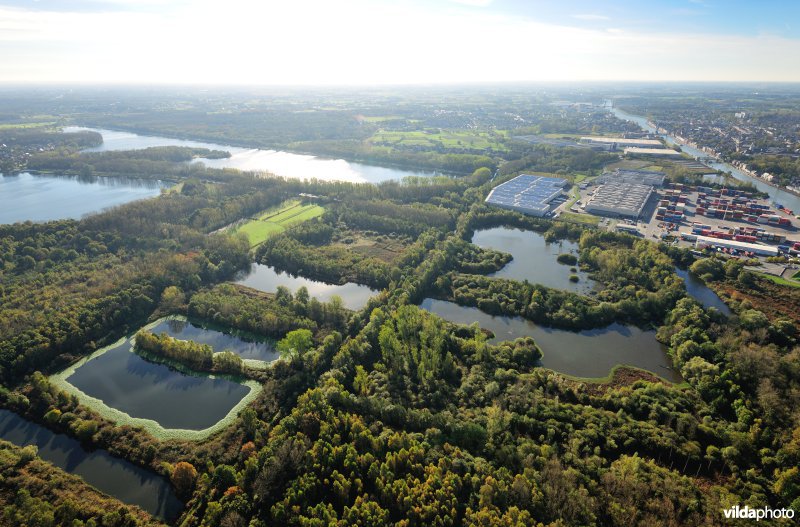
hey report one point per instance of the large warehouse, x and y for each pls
(652, 152)
(620, 142)
(762, 250)
(619, 199)
(534, 195)
(642, 177)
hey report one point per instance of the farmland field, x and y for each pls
(276, 220)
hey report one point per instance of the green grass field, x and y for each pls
(780, 281)
(277, 219)
(588, 219)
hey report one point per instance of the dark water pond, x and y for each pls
(589, 353)
(125, 381)
(218, 340)
(114, 476)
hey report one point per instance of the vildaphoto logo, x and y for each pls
(764, 513)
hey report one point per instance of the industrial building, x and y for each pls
(653, 152)
(619, 199)
(621, 142)
(761, 250)
(534, 195)
(642, 177)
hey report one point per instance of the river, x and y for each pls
(286, 164)
(777, 195)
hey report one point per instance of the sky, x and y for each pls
(388, 42)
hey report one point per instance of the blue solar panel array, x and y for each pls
(527, 193)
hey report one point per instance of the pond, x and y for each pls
(588, 353)
(267, 279)
(242, 345)
(114, 476)
(124, 381)
(37, 198)
(534, 258)
(701, 292)
(286, 164)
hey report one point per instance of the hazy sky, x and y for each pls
(397, 41)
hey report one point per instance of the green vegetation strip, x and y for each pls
(275, 221)
(152, 427)
(779, 280)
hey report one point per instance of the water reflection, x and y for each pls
(286, 164)
(116, 477)
(534, 258)
(588, 353)
(33, 197)
(125, 381)
(243, 346)
(265, 278)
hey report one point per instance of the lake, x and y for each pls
(142, 389)
(114, 476)
(265, 278)
(588, 353)
(286, 164)
(701, 292)
(242, 345)
(40, 198)
(534, 258)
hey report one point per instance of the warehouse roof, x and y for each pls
(734, 244)
(651, 151)
(627, 199)
(653, 143)
(528, 192)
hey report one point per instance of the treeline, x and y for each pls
(546, 158)
(154, 162)
(48, 138)
(328, 263)
(361, 151)
(35, 493)
(269, 315)
(385, 216)
(196, 356)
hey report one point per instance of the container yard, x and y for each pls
(729, 220)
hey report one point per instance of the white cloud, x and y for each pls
(589, 16)
(474, 3)
(361, 42)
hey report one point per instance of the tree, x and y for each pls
(183, 477)
(172, 299)
(295, 344)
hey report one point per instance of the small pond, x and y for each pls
(534, 258)
(267, 279)
(242, 345)
(142, 389)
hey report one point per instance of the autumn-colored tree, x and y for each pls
(183, 477)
